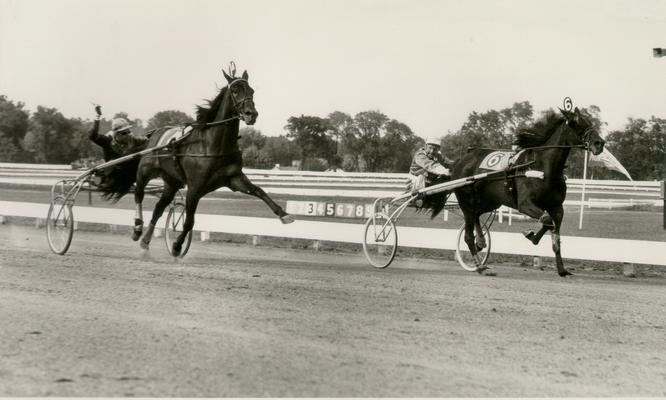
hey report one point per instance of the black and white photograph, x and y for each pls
(319, 199)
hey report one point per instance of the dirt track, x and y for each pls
(231, 320)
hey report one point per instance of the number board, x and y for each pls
(326, 209)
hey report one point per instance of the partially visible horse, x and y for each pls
(205, 159)
(533, 189)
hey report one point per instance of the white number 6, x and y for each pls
(568, 104)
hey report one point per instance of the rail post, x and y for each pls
(658, 53)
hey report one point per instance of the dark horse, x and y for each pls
(206, 159)
(536, 187)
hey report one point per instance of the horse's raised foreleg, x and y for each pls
(532, 210)
(241, 183)
(191, 203)
(558, 214)
(167, 195)
(546, 225)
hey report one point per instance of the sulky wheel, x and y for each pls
(380, 240)
(174, 226)
(464, 256)
(59, 225)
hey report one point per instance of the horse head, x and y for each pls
(242, 97)
(584, 131)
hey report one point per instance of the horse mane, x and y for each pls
(208, 113)
(540, 131)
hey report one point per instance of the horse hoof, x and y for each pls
(485, 271)
(531, 236)
(287, 219)
(144, 245)
(136, 234)
(175, 250)
(564, 273)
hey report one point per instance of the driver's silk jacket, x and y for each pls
(113, 149)
(422, 164)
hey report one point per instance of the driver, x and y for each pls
(119, 141)
(427, 166)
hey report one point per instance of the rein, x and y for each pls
(236, 104)
(585, 145)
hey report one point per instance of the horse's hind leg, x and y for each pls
(167, 195)
(242, 184)
(558, 214)
(480, 239)
(139, 192)
(471, 225)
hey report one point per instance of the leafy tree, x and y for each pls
(49, 137)
(345, 133)
(370, 141)
(253, 157)
(281, 150)
(369, 130)
(13, 128)
(397, 147)
(84, 147)
(309, 135)
(250, 136)
(168, 118)
(640, 147)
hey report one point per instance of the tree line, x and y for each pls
(368, 141)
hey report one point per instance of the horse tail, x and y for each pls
(434, 203)
(117, 180)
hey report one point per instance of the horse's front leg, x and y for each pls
(532, 210)
(191, 203)
(166, 197)
(546, 225)
(558, 214)
(242, 184)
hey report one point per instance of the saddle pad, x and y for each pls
(496, 161)
(173, 134)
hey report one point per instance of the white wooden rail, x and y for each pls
(331, 184)
(574, 247)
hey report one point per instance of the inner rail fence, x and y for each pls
(582, 248)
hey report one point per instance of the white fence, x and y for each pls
(574, 247)
(335, 184)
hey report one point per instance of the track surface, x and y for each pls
(232, 320)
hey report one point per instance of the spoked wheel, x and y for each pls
(380, 240)
(464, 256)
(59, 225)
(174, 226)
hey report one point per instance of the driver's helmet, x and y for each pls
(119, 125)
(433, 141)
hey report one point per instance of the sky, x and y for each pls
(426, 63)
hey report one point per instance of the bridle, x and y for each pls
(237, 104)
(585, 138)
